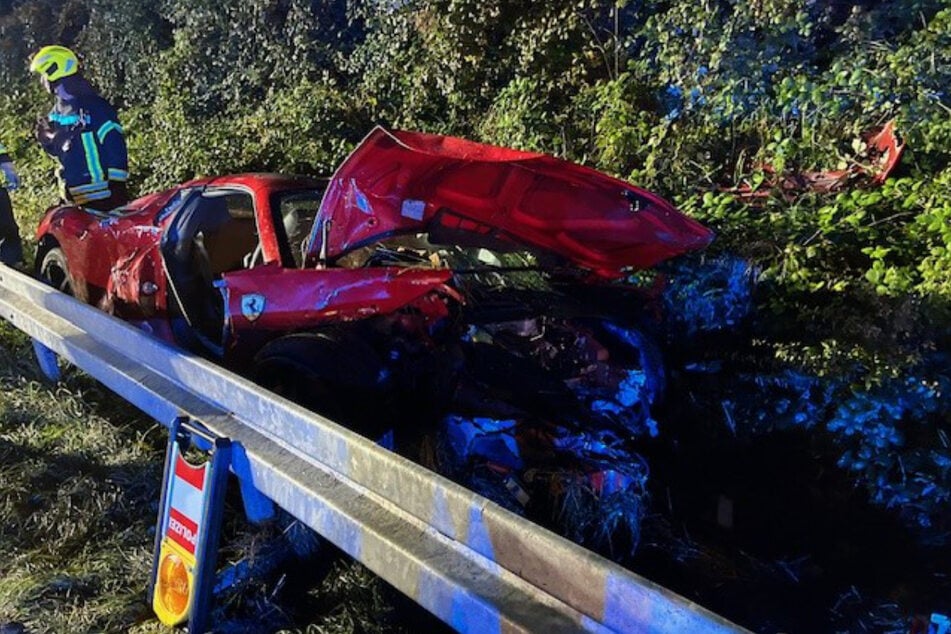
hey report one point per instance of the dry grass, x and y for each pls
(80, 473)
(78, 497)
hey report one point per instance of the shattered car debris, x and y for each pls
(882, 152)
(475, 295)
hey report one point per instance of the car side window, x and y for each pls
(174, 204)
(227, 230)
(297, 212)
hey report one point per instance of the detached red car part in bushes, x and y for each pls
(884, 150)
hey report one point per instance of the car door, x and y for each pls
(214, 231)
(268, 301)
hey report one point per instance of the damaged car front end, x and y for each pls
(471, 302)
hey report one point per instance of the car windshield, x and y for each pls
(476, 264)
(296, 210)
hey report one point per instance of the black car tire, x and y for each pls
(332, 374)
(54, 271)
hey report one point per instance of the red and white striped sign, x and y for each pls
(186, 503)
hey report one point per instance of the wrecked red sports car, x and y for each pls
(472, 290)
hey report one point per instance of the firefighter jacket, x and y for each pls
(83, 133)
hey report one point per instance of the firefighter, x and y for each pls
(11, 249)
(82, 132)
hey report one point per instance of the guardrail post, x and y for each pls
(47, 360)
(258, 507)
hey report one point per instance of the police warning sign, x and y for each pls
(186, 503)
(186, 494)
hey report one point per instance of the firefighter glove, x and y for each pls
(11, 180)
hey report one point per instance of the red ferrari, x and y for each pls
(430, 279)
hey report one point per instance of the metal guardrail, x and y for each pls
(473, 564)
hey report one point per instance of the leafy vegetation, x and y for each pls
(847, 328)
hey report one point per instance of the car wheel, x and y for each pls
(337, 376)
(55, 272)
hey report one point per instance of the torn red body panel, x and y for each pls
(402, 182)
(889, 150)
(274, 299)
(883, 152)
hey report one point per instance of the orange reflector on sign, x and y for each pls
(173, 584)
(173, 587)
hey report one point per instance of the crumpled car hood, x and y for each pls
(410, 182)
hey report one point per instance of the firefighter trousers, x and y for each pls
(11, 248)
